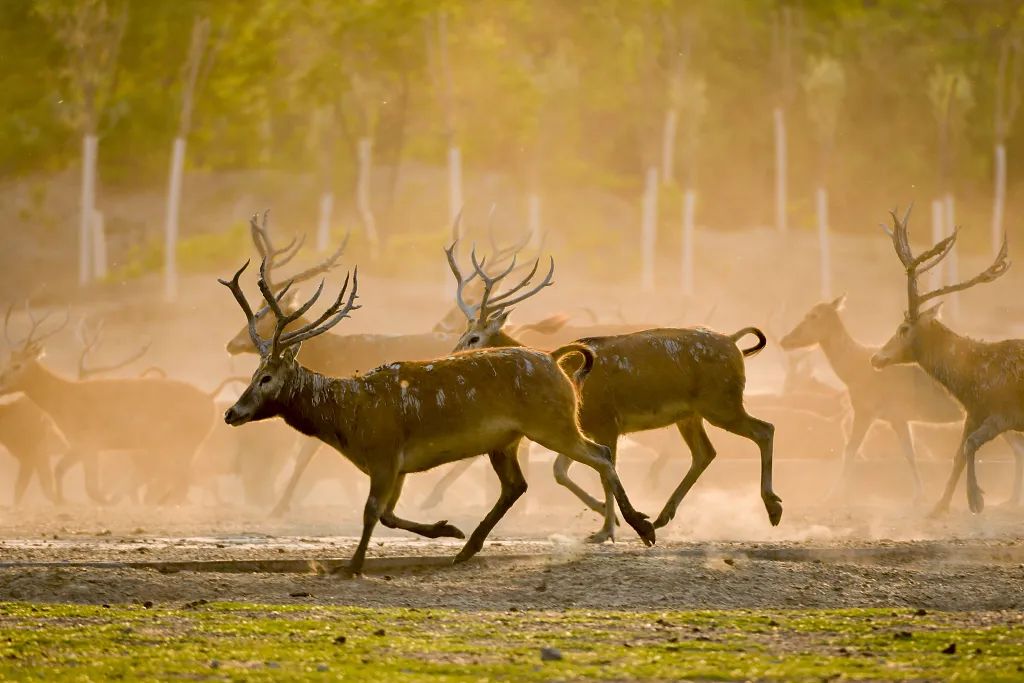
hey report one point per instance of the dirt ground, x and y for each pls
(91, 556)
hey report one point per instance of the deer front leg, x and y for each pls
(302, 460)
(1016, 442)
(702, 452)
(442, 486)
(91, 471)
(513, 485)
(66, 462)
(382, 485)
(906, 440)
(858, 431)
(975, 434)
(21, 481)
(45, 476)
(388, 518)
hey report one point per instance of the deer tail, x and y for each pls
(588, 360)
(762, 340)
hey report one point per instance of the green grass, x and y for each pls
(261, 642)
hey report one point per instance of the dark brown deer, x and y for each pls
(640, 381)
(899, 395)
(986, 378)
(163, 418)
(413, 416)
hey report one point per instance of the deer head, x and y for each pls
(486, 318)
(275, 258)
(25, 353)
(278, 370)
(819, 322)
(904, 345)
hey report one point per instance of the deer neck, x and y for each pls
(948, 357)
(315, 405)
(849, 359)
(503, 340)
(47, 389)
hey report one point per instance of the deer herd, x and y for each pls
(476, 386)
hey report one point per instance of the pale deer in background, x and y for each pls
(163, 418)
(91, 338)
(640, 381)
(32, 439)
(413, 416)
(987, 378)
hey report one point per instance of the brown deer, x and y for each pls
(413, 416)
(32, 439)
(163, 418)
(984, 377)
(637, 382)
(899, 395)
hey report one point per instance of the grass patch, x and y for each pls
(226, 641)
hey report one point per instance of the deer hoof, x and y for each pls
(465, 554)
(443, 529)
(346, 572)
(975, 500)
(773, 504)
(601, 536)
(645, 530)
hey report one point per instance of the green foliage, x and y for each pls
(202, 253)
(265, 642)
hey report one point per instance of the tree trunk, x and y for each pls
(649, 229)
(951, 261)
(323, 228)
(780, 169)
(668, 146)
(364, 153)
(999, 202)
(90, 145)
(689, 211)
(824, 250)
(171, 221)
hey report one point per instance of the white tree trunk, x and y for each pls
(90, 145)
(936, 278)
(824, 250)
(323, 227)
(780, 169)
(533, 223)
(99, 246)
(951, 261)
(454, 184)
(363, 205)
(999, 203)
(171, 221)
(649, 229)
(668, 146)
(689, 211)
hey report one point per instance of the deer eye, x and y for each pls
(475, 339)
(265, 379)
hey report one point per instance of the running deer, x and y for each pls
(163, 418)
(637, 382)
(32, 439)
(413, 416)
(899, 395)
(984, 377)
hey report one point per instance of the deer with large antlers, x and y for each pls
(984, 377)
(163, 418)
(413, 416)
(637, 382)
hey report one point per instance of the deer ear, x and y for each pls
(930, 314)
(498, 321)
(290, 352)
(839, 302)
(290, 302)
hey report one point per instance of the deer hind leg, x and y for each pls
(906, 439)
(21, 481)
(858, 430)
(91, 471)
(513, 485)
(702, 453)
(561, 468)
(302, 460)
(66, 462)
(581, 449)
(45, 477)
(607, 530)
(762, 433)
(389, 519)
(975, 434)
(382, 490)
(1016, 442)
(436, 494)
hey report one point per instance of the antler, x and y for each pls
(90, 339)
(281, 340)
(275, 258)
(35, 325)
(922, 263)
